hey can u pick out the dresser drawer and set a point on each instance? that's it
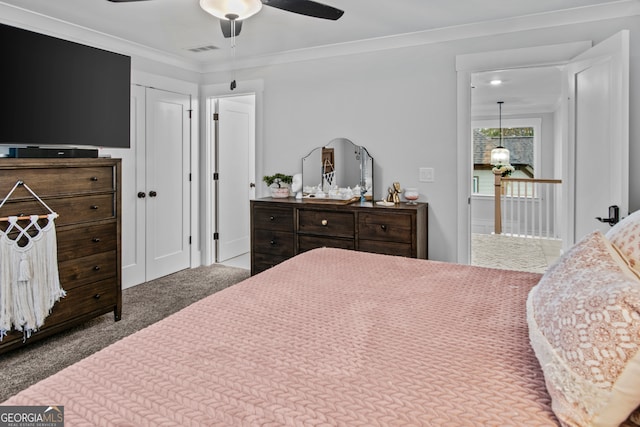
(276, 243)
(262, 261)
(92, 268)
(86, 240)
(387, 248)
(306, 243)
(74, 210)
(84, 300)
(97, 298)
(70, 210)
(60, 181)
(326, 223)
(390, 228)
(273, 219)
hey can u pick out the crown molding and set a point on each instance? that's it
(19, 17)
(585, 14)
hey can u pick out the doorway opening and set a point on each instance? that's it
(531, 107)
(595, 76)
(232, 136)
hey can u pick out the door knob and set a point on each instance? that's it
(614, 216)
(152, 194)
(141, 195)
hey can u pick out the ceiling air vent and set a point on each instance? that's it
(202, 48)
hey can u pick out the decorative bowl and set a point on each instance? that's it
(279, 193)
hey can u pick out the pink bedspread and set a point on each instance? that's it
(331, 337)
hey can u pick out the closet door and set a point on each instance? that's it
(155, 186)
(133, 187)
(167, 183)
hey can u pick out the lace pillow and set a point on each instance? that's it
(625, 235)
(584, 326)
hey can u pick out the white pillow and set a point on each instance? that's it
(625, 235)
(584, 326)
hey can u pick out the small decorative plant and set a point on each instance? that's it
(277, 180)
(278, 184)
(505, 170)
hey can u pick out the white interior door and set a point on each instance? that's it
(236, 174)
(167, 183)
(133, 182)
(155, 230)
(597, 174)
(133, 207)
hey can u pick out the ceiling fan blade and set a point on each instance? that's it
(226, 28)
(306, 7)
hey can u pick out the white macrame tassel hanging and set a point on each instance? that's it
(29, 281)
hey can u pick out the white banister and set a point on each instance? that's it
(525, 206)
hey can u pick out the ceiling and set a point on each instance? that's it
(175, 26)
(523, 91)
(170, 28)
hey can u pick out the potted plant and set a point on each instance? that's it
(278, 184)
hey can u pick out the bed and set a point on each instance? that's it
(333, 337)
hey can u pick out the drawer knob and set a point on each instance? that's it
(94, 178)
(94, 207)
(97, 296)
(324, 222)
(272, 242)
(96, 268)
(95, 240)
(271, 218)
(384, 227)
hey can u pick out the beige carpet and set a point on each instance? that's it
(514, 253)
(142, 305)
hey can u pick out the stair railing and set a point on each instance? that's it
(526, 206)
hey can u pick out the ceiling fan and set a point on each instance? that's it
(232, 12)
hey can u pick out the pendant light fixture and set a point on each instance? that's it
(500, 155)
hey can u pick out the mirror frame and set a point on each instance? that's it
(327, 155)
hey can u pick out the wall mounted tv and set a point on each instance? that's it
(63, 94)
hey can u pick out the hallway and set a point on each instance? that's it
(514, 253)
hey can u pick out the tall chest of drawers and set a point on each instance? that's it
(282, 228)
(85, 193)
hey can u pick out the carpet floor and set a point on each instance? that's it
(142, 305)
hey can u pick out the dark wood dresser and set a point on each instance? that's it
(282, 228)
(85, 193)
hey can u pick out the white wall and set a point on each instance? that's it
(401, 105)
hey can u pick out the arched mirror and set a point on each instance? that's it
(339, 170)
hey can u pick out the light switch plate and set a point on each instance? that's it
(427, 175)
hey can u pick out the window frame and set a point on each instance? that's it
(518, 122)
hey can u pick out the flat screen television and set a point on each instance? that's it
(57, 93)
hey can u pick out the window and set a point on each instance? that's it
(520, 137)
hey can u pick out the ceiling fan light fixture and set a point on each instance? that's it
(231, 9)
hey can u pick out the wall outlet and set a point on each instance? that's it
(426, 175)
